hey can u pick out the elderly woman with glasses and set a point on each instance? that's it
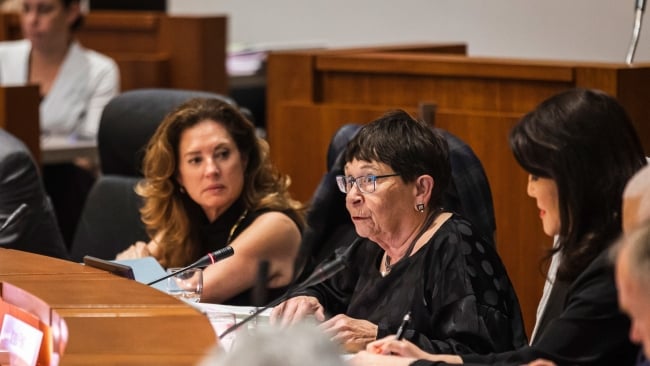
(414, 257)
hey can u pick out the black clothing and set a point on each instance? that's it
(456, 288)
(590, 330)
(214, 236)
(37, 230)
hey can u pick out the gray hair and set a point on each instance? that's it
(636, 198)
(637, 250)
(298, 345)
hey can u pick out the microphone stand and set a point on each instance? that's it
(312, 280)
(319, 275)
(636, 31)
(210, 258)
(173, 274)
(257, 312)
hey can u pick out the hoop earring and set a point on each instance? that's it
(419, 207)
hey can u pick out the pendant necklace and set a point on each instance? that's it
(234, 227)
(430, 219)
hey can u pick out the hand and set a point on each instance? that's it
(365, 358)
(541, 362)
(137, 250)
(389, 345)
(353, 334)
(297, 308)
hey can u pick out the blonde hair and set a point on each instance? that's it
(165, 210)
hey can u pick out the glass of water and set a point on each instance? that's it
(186, 285)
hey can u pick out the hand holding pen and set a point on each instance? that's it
(396, 345)
(402, 327)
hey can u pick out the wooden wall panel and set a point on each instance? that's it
(312, 94)
(153, 49)
(19, 115)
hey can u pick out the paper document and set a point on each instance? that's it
(145, 270)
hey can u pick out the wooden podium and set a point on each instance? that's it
(97, 318)
(312, 93)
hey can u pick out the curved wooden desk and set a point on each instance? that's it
(110, 320)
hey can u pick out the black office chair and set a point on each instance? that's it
(33, 227)
(130, 119)
(110, 220)
(328, 222)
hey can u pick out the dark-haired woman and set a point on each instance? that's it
(580, 149)
(414, 257)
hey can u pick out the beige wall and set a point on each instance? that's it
(596, 30)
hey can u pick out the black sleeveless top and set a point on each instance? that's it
(214, 236)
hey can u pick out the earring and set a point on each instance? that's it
(419, 207)
(182, 189)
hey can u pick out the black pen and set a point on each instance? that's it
(402, 327)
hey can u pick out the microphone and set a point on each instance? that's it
(639, 8)
(213, 257)
(329, 269)
(207, 259)
(15, 216)
(320, 274)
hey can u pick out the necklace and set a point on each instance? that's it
(234, 227)
(427, 223)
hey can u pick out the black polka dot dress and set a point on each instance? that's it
(456, 288)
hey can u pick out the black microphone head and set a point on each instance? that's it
(346, 253)
(222, 253)
(214, 257)
(329, 269)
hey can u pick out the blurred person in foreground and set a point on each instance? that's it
(633, 263)
(415, 258)
(580, 149)
(298, 345)
(636, 200)
(633, 283)
(208, 183)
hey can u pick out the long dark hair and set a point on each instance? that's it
(584, 141)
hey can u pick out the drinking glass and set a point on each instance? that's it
(220, 322)
(186, 285)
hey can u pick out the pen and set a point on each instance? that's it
(402, 327)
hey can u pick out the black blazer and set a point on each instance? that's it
(587, 327)
(37, 230)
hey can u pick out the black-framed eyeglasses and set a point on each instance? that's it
(365, 183)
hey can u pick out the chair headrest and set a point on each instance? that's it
(130, 119)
